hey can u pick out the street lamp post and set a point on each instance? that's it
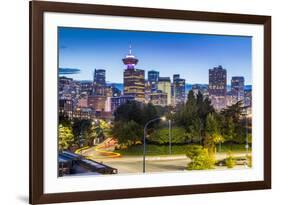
(170, 132)
(144, 138)
(170, 138)
(246, 129)
(81, 143)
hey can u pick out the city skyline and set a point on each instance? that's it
(152, 111)
(115, 45)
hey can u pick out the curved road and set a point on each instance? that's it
(134, 164)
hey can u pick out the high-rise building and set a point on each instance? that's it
(86, 87)
(176, 76)
(158, 98)
(115, 91)
(147, 91)
(203, 89)
(248, 98)
(83, 113)
(229, 99)
(66, 108)
(152, 77)
(237, 89)
(65, 83)
(99, 82)
(164, 84)
(97, 103)
(117, 101)
(99, 77)
(108, 92)
(178, 89)
(108, 104)
(68, 87)
(134, 83)
(217, 87)
(172, 94)
(82, 101)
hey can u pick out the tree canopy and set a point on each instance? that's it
(66, 137)
(130, 119)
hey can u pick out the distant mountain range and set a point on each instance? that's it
(188, 87)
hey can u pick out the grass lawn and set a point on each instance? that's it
(152, 149)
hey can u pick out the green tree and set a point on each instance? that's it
(186, 113)
(160, 110)
(228, 129)
(106, 127)
(65, 121)
(195, 130)
(193, 151)
(249, 135)
(129, 111)
(130, 119)
(200, 158)
(193, 115)
(82, 131)
(149, 112)
(204, 107)
(134, 111)
(66, 137)
(187, 116)
(161, 135)
(212, 133)
(127, 132)
(92, 132)
(191, 109)
(234, 111)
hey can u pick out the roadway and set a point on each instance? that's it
(134, 164)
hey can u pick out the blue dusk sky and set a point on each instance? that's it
(190, 55)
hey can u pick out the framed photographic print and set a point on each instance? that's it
(138, 102)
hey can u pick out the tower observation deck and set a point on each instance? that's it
(130, 60)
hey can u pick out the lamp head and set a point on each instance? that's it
(163, 118)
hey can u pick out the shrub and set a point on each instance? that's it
(230, 161)
(200, 158)
(193, 151)
(249, 159)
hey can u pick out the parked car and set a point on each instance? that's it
(238, 161)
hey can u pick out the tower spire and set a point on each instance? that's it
(130, 49)
(130, 60)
